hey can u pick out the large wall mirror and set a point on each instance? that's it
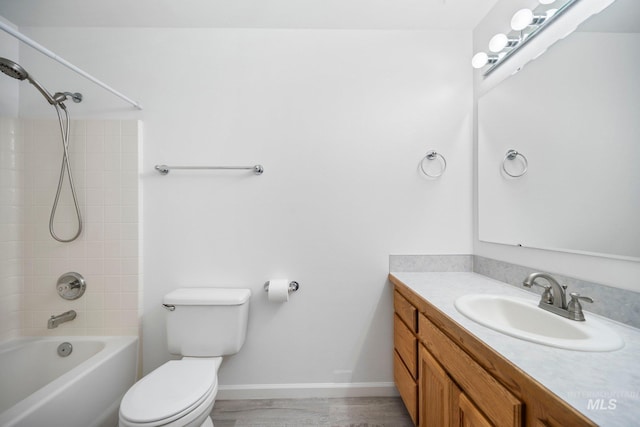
(574, 115)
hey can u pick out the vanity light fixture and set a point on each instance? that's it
(525, 24)
(481, 59)
(524, 18)
(501, 41)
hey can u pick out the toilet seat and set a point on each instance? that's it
(178, 389)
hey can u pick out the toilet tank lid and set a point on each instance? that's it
(207, 296)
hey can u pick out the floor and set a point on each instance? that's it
(344, 412)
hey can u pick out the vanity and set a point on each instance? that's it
(452, 371)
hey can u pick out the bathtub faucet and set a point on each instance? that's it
(67, 316)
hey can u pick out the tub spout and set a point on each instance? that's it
(67, 316)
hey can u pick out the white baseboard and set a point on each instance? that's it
(306, 390)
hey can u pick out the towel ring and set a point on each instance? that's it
(434, 155)
(512, 155)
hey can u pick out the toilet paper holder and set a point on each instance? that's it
(293, 286)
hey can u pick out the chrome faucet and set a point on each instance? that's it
(554, 297)
(67, 316)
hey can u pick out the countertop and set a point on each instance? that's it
(604, 386)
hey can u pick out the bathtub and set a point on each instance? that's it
(84, 389)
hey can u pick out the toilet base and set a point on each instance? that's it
(207, 423)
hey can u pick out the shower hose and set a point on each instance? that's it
(65, 167)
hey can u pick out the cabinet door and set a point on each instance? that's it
(469, 415)
(496, 402)
(438, 394)
(547, 422)
(406, 386)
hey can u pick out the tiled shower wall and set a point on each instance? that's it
(11, 213)
(104, 160)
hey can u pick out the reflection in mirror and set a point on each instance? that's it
(575, 114)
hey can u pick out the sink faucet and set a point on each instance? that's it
(554, 297)
(67, 316)
(558, 297)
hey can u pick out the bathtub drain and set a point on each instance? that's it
(65, 349)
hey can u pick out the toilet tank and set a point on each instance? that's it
(206, 322)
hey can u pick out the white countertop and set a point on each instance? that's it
(604, 386)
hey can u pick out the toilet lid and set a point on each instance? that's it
(174, 388)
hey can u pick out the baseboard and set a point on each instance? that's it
(306, 390)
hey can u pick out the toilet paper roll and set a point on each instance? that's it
(278, 290)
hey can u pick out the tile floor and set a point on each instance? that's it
(344, 412)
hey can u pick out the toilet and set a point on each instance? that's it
(203, 325)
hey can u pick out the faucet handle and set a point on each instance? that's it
(575, 308)
(546, 296)
(576, 297)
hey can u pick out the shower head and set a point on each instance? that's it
(14, 70)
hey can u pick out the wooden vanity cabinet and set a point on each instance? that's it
(470, 396)
(405, 358)
(460, 382)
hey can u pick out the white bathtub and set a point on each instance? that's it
(39, 388)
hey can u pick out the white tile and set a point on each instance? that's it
(129, 127)
(112, 266)
(94, 301)
(112, 161)
(112, 213)
(129, 163)
(94, 162)
(129, 266)
(112, 127)
(129, 231)
(95, 127)
(112, 143)
(104, 157)
(95, 319)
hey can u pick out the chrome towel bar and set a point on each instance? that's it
(164, 169)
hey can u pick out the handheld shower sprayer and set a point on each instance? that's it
(14, 70)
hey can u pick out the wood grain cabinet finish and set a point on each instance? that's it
(438, 393)
(482, 400)
(460, 382)
(405, 360)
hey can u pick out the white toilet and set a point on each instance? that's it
(203, 324)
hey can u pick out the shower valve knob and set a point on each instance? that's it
(71, 286)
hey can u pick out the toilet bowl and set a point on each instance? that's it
(203, 324)
(179, 393)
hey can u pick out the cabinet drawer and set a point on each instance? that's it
(406, 311)
(406, 344)
(406, 386)
(497, 403)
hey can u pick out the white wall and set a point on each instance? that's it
(612, 272)
(340, 120)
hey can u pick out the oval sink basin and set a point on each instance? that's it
(522, 318)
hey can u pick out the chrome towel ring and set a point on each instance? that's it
(434, 155)
(512, 155)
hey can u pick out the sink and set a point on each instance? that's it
(522, 318)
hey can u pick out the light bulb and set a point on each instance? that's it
(498, 42)
(479, 60)
(521, 19)
(546, 1)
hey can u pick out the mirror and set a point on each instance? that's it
(573, 115)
